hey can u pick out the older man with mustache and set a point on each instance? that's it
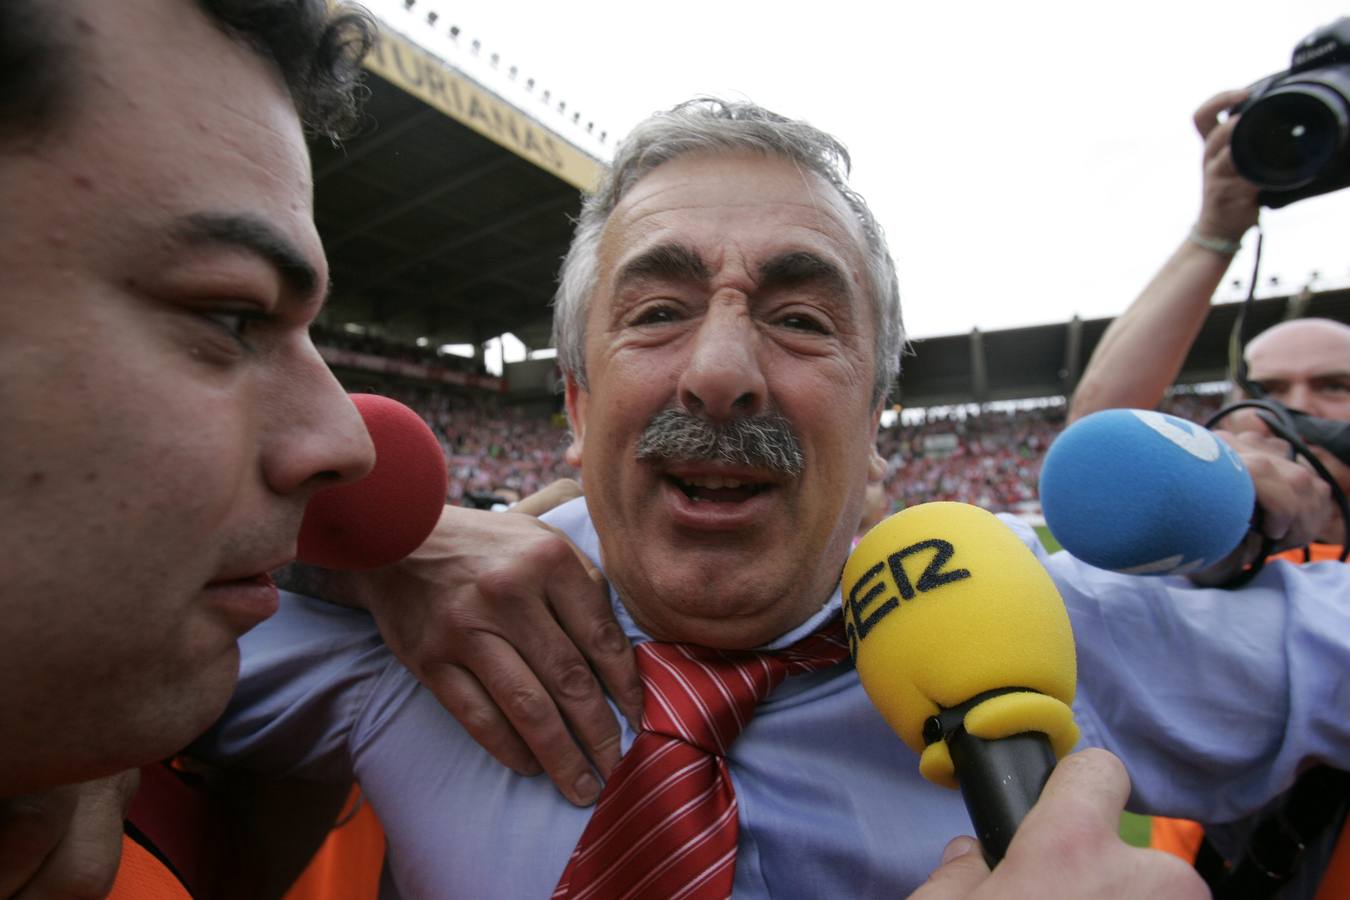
(729, 326)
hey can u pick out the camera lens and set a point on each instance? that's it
(1287, 137)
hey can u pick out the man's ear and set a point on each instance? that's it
(876, 468)
(876, 465)
(576, 398)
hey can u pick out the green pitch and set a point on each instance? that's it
(1047, 539)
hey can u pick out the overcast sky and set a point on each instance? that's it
(1029, 161)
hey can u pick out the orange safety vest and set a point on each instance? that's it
(142, 876)
(1182, 838)
(1320, 553)
(348, 865)
(175, 842)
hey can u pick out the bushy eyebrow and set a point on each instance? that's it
(801, 267)
(256, 236)
(672, 262)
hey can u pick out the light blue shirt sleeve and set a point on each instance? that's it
(1215, 699)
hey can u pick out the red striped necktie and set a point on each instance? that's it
(665, 825)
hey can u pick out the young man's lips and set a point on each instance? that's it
(244, 601)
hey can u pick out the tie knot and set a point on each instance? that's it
(706, 697)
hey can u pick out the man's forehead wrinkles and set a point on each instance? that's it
(706, 234)
(701, 219)
(639, 210)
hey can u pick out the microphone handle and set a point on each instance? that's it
(1000, 781)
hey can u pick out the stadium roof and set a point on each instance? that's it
(1046, 360)
(447, 216)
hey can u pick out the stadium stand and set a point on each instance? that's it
(990, 457)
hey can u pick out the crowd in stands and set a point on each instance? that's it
(489, 446)
(326, 336)
(991, 457)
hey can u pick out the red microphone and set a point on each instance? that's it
(386, 515)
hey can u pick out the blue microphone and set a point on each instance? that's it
(1145, 493)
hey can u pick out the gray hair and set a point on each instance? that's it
(711, 125)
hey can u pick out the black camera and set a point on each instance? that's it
(1293, 140)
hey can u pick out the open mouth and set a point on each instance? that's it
(716, 489)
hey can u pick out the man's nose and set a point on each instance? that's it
(317, 437)
(1299, 397)
(722, 379)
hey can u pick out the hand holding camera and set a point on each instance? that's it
(1229, 205)
(1292, 135)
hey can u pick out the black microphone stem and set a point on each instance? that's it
(1000, 782)
(1000, 778)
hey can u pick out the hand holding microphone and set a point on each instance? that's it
(1296, 507)
(1069, 848)
(963, 644)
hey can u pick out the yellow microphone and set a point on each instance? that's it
(962, 642)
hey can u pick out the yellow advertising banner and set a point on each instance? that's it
(401, 62)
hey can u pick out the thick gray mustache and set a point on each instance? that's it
(761, 442)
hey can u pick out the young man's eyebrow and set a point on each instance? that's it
(669, 261)
(802, 267)
(256, 236)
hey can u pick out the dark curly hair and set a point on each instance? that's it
(317, 49)
(30, 80)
